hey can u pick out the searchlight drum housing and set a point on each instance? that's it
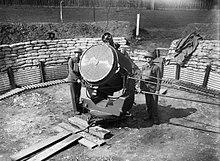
(105, 71)
(102, 64)
(98, 64)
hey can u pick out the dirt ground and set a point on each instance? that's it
(29, 117)
(189, 131)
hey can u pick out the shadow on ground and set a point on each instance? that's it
(140, 115)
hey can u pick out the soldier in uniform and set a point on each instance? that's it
(74, 78)
(151, 74)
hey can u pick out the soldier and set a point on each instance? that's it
(74, 78)
(151, 73)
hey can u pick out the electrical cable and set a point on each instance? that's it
(92, 124)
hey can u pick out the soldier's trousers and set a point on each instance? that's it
(152, 105)
(151, 100)
(75, 90)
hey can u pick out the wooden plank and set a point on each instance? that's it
(86, 135)
(178, 70)
(55, 148)
(95, 130)
(87, 143)
(162, 48)
(82, 141)
(206, 77)
(39, 146)
(11, 78)
(42, 72)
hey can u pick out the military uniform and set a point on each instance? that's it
(151, 73)
(75, 84)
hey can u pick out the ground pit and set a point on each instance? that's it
(188, 130)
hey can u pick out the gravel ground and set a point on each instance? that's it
(30, 117)
(189, 131)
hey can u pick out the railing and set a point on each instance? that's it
(205, 78)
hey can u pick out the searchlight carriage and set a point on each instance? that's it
(108, 92)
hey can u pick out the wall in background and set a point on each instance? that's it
(33, 62)
(148, 4)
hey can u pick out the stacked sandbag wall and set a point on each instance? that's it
(203, 64)
(42, 60)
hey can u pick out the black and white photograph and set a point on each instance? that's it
(109, 80)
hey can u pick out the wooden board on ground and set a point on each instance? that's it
(195, 125)
(87, 143)
(39, 146)
(82, 141)
(55, 148)
(95, 130)
(86, 135)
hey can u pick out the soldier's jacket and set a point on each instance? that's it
(73, 69)
(150, 73)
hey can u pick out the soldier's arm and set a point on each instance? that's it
(70, 63)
